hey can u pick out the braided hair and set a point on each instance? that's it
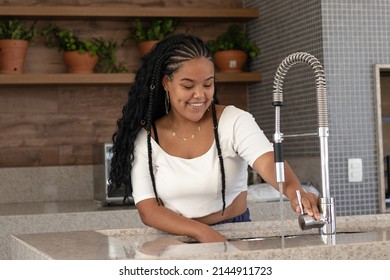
(145, 105)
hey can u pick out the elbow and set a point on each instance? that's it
(148, 211)
(145, 218)
(145, 213)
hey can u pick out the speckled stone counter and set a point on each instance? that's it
(21, 218)
(43, 217)
(358, 237)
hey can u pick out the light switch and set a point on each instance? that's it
(355, 170)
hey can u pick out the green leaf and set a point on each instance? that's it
(157, 29)
(234, 39)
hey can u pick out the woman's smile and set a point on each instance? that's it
(196, 104)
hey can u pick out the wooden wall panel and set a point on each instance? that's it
(57, 128)
(60, 125)
(230, 94)
(385, 104)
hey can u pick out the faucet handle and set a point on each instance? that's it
(306, 221)
(300, 200)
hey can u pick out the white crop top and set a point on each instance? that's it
(192, 187)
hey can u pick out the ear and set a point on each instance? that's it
(165, 83)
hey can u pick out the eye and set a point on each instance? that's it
(208, 85)
(188, 86)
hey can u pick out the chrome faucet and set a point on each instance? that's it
(327, 224)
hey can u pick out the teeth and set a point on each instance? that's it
(196, 104)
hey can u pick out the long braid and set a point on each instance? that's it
(221, 164)
(149, 141)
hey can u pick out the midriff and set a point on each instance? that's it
(237, 207)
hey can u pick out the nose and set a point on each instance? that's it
(198, 92)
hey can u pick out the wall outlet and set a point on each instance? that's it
(355, 170)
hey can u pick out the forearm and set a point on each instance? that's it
(164, 219)
(265, 166)
(292, 183)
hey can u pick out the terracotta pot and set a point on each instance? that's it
(145, 46)
(12, 56)
(232, 61)
(79, 63)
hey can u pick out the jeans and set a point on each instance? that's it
(244, 217)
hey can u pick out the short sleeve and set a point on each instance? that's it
(249, 140)
(140, 176)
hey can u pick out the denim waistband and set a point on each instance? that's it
(244, 217)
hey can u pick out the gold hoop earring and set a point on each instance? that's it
(167, 102)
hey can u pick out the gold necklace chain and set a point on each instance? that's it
(185, 138)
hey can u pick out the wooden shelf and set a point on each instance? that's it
(243, 77)
(105, 79)
(66, 79)
(119, 12)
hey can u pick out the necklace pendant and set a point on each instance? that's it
(185, 138)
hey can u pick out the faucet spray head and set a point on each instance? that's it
(279, 162)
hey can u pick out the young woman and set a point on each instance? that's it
(184, 158)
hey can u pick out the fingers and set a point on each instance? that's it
(310, 205)
(206, 233)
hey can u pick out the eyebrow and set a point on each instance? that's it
(190, 80)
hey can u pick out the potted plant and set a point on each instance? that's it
(14, 41)
(232, 49)
(107, 62)
(147, 35)
(82, 55)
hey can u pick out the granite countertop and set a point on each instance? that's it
(55, 207)
(357, 237)
(66, 216)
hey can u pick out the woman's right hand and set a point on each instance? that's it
(210, 235)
